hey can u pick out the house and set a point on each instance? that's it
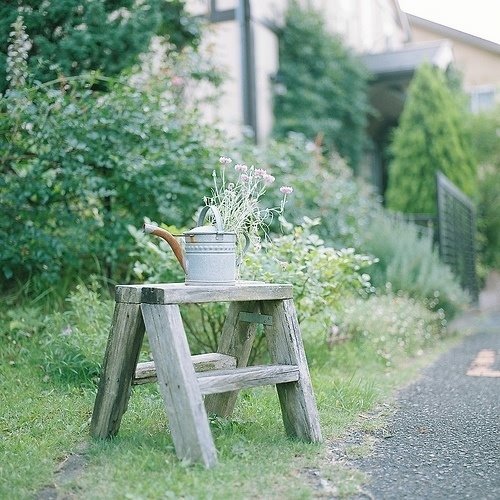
(478, 60)
(242, 39)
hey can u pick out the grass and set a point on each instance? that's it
(46, 408)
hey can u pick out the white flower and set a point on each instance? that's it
(240, 167)
(268, 179)
(224, 160)
(286, 189)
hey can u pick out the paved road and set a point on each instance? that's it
(445, 437)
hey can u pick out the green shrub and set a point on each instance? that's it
(431, 136)
(324, 188)
(70, 38)
(320, 86)
(321, 275)
(484, 129)
(79, 166)
(389, 326)
(408, 262)
(73, 341)
(83, 157)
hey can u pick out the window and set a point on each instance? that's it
(481, 98)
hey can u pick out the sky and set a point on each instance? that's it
(477, 17)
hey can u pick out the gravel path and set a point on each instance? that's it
(444, 440)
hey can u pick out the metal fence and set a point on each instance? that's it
(456, 233)
(453, 231)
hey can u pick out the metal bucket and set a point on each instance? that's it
(210, 253)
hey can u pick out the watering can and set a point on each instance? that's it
(209, 254)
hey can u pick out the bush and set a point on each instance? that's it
(389, 326)
(321, 275)
(78, 166)
(320, 86)
(324, 188)
(70, 38)
(409, 263)
(431, 136)
(484, 129)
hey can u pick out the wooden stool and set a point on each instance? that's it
(182, 378)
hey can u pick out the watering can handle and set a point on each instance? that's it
(218, 218)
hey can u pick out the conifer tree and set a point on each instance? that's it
(431, 136)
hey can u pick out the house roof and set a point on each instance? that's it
(409, 58)
(452, 33)
(392, 73)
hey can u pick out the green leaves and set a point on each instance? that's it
(71, 37)
(320, 86)
(321, 275)
(431, 136)
(88, 165)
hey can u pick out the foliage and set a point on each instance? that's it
(69, 343)
(71, 37)
(74, 340)
(324, 188)
(321, 275)
(409, 263)
(320, 86)
(389, 326)
(431, 137)
(484, 129)
(78, 166)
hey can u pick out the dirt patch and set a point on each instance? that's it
(68, 470)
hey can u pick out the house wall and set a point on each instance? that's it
(480, 67)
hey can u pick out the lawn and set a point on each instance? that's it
(45, 447)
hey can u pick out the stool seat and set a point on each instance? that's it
(193, 386)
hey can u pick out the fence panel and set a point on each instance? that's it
(456, 233)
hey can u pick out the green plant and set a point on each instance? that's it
(324, 188)
(239, 202)
(408, 262)
(73, 341)
(320, 87)
(484, 129)
(321, 275)
(71, 37)
(78, 166)
(431, 136)
(390, 326)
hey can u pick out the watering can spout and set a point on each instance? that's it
(170, 239)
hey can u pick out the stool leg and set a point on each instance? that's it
(298, 404)
(178, 384)
(120, 360)
(236, 340)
